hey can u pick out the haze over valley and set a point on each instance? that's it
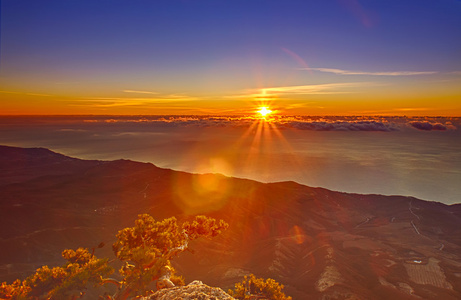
(318, 243)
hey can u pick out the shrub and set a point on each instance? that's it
(252, 288)
(147, 250)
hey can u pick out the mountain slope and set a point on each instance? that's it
(320, 244)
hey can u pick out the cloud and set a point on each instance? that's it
(28, 94)
(348, 72)
(106, 102)
(428, 126)
(71, 130)
(39, 95)
(139, 92)
(353, 125)
(324, 123)
(281, 122)
(310, 89)
(270, 93)
(132, 101)
(409, 109)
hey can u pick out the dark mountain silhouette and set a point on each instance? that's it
(320, 244)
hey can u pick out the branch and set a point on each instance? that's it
(181, 248)
(112, 280)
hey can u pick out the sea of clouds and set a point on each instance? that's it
(417, 156)
(328, 123)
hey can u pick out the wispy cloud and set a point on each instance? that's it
(140, 92)
(271, 93)
(108, 102)
(404, 109)
(349, 72)
(24, 93)
(313, 88)
(157, 97)
(120, 101)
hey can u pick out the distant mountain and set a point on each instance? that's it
(320, 244)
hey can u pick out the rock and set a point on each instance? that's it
(194, 290)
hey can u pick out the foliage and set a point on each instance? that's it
(65, 282)
(252, 287)
(148, 247)
(16, 290)
(147, 250)
(177, 280)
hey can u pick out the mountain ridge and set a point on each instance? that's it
(318, 243)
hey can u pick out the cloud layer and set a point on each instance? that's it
(343, 126)
(332, 123)
(428, 126)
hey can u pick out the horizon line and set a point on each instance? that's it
(226, 115)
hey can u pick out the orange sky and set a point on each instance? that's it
(195, 57)
(345, 98)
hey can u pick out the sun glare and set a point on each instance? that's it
(264, 111)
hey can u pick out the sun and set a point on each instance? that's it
(264, 111)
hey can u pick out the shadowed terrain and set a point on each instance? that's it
(318, 243)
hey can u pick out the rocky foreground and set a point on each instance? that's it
(192, 291)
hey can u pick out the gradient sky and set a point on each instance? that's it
(332, 57)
